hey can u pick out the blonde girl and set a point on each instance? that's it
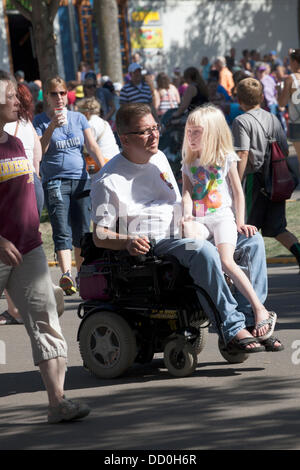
(213, 200)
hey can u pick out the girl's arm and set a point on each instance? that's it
(242, 164)
(93, 148)
(187, 202)
(284, 95)
(239, 202)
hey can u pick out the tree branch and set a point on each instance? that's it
(24, 12)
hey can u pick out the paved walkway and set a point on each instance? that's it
(254, 405)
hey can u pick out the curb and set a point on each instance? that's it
(282, 260)
(54, 264)
(279, 260)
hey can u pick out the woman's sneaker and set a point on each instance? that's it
(67, 284)
(67, 410)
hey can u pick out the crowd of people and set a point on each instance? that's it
(62, 136)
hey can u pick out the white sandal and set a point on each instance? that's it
(271, 321)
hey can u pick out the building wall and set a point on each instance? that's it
(4, 57)
(192, 29)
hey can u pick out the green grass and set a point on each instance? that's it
(46, 231)
(273, 247)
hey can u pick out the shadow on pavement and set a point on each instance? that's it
(167, 416)
(77, 378)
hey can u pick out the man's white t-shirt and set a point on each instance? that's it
(143, 198)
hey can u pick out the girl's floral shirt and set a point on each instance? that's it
(211, 192)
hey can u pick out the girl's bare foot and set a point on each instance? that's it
(260, 316)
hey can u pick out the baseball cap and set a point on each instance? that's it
(133, 67)
(273, 53)
(261, 68)
(20, 73)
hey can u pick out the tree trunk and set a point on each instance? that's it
(43, 15)
(106, 15)
(42, 18)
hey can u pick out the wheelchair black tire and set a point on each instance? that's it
(232, 358)
(181, 363)
(200, 342)
(107, 344)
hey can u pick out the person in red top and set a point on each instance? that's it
(23, 265)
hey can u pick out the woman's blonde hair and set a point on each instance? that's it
(216, 140)
(89, 105)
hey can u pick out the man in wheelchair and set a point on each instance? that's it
(137, 192)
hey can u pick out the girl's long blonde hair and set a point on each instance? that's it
(216, 140)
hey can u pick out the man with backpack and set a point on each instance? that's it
(249, 132)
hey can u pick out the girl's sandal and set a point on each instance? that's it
(238, 345)
(271, 321)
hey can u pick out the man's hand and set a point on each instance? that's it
(138, 246)
(9, 253)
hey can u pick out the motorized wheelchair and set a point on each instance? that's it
(135, 307)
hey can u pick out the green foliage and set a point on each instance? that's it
(10, 5)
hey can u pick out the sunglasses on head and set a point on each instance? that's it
(56, 93)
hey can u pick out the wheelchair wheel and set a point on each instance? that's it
(232, 358)
(202, 338)
(107, 344)
(182, 362)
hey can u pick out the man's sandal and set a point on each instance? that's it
(270, 346)
(240, 345)
(271, 321)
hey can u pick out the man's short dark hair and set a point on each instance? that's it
(128, 114)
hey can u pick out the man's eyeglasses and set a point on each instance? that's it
(89, 86)
(146, 132)
(57, 93)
